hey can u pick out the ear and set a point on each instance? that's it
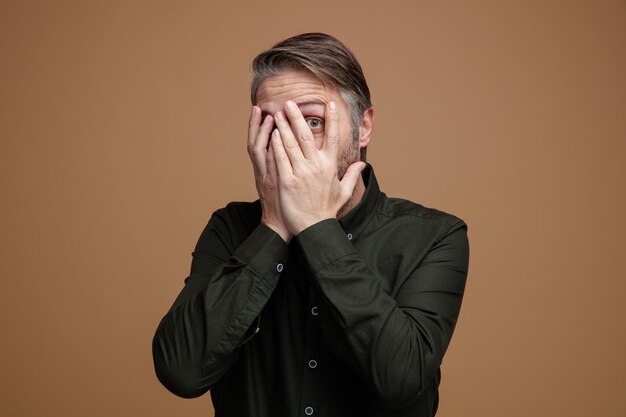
(366, 127)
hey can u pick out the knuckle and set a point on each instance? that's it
(305, 136)
(255, 151)
(291, 144)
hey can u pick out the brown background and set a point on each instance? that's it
(123, 127)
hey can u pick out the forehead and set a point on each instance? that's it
(298, 86)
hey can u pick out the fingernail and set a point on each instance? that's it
(332, 106)
(290, 105)
(267, 118)
(279, 115)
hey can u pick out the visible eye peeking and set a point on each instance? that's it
(314, 123)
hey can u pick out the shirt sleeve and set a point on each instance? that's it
(395, 344)
(215, 313)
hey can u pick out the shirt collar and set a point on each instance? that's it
(357, 218)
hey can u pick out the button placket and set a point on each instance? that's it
(311, 376)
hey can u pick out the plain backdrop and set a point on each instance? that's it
(123, 127)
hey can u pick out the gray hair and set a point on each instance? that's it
(327, 59)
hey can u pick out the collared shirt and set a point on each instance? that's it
(351, 318)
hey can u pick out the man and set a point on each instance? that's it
(324, 297)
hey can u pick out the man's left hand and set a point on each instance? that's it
(309, 190)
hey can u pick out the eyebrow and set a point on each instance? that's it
(311, 103)
(303, 104)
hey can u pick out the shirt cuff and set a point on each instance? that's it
(323, 243)
(264, 251)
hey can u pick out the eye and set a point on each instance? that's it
(314, 122)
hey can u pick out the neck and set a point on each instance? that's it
(357, 196)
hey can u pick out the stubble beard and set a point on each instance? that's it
(347, 157)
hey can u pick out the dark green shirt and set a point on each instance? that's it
(351, 318)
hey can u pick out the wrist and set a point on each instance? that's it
(282, 232)
(306, 223)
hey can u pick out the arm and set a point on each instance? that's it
(394, 343)
(197, 340)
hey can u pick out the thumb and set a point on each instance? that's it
(348, 182)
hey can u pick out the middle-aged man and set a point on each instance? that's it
(324, 297)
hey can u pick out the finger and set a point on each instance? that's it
(272, 171)
(283, 164)
(348, 182)
(301, 130)
(258, 152)
(253, 125)
(289, 142)
(331, 131)
(262, 139)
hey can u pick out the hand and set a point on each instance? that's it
(265, 172)
(309, 189)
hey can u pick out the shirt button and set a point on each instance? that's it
(279, 267)
(314, 311)
(308, 411)
(349, 236)
(312, 363)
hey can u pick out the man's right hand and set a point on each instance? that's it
(265, 171)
